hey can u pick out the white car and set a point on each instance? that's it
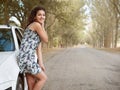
(10, 39)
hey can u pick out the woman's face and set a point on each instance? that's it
(40, 16)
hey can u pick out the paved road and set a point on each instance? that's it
(83, 69)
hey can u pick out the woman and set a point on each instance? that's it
(30, 56)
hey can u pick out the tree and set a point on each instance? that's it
(64, 18)
(105, 18)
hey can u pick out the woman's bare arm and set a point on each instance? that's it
(40, 59)
(41, 31)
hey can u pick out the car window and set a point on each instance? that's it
(19, 36)
(6, 40)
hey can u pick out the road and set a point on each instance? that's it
(83, 69)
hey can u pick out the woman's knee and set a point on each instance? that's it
(42, 76)
(45, 77)
(30, 79)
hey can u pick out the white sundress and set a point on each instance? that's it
(26, 58)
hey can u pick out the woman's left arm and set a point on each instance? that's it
(40, 59)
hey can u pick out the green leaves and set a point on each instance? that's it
(64, 17)
(105, 23)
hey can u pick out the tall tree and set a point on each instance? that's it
(63, 17)
(104, 22)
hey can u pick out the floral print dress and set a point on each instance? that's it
(26, 58)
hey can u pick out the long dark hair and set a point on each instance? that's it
(33, 14)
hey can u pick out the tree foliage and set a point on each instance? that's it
(105, 20)
(64, 18)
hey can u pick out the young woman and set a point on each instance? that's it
(30, 55)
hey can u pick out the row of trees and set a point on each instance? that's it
(64, 23)
(105, 16)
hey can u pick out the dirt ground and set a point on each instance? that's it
(82, 68)
(111, 50)
(50, 52)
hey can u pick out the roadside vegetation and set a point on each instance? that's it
(64, 18)
(105, 31)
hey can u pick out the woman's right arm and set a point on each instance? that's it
(41, 31)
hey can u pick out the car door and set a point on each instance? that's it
(20, 81)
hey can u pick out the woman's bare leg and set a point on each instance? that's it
(30, 81)
(41, 79)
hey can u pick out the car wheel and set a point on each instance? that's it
(20, 83)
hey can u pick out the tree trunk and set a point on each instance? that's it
(108, 39)
(6, 13)
(116, 32)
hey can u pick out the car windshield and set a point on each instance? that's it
(6, 40)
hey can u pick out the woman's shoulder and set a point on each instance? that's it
(34, 25)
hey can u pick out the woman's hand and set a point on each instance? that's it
(42, 67)
(42, 24)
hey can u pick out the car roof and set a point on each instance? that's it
(5, 26)
(9, 26)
